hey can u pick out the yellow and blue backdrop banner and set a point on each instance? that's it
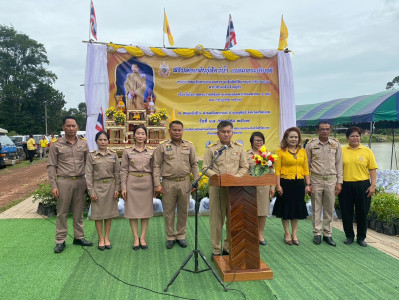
(200, 88)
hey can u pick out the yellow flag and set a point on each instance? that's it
(282, 44)
(166, 29)
(173, 115)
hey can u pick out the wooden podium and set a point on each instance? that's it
(243, 262)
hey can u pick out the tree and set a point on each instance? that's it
(25, 84)
(392, 84)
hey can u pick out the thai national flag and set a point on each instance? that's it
(93, 21)
(100, 121)
(231, 35)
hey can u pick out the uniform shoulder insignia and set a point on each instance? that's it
(150, 147)
(188, 141)
(112, 150)
(334, 139)
(248, 151)
(82, 138)
(238, 144)
(313, 140)
(211, 145)
(164, 141)
(94, 151)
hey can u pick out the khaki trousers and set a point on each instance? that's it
(323, 197)
(72, 192)
(218, 206)
(175, 196)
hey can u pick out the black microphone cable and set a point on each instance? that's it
(118, 279)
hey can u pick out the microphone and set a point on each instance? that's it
(222, 149)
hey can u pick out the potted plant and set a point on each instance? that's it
(47, 202)
(386, 208)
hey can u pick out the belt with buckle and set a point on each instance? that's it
(105, 180)
(70, 177)
(175, 179)
(325, 177)
(139, 174)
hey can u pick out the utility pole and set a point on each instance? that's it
(45, 114)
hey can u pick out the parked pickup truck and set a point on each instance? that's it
(8, 150)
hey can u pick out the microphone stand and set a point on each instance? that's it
(196, 252)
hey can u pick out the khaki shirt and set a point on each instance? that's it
(66, 159)
(100, 166)
(135, 161)
(325, 159)
(232, 161)
(172, 161)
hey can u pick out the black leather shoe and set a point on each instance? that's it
(135, 248)
(348, 241)
(263, 243)
(82, 242)
(362, 243)
(182, 243)
(59, 247)
(101, 248)
(317, 239)
(225, 252)
(329, 240)
(109, 247)
(170, 244)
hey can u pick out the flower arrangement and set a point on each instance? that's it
(119, 118)
(155, 119)
(110, 112)
(163, 114)
(264, 162)
(203, 185)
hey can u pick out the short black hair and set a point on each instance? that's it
(353, 129)
(223, 124)
(100, 133)
(175, 122)
(258, 134)
(323, 122)
(68, 117)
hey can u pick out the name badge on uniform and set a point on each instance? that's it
(185, 147)
(168, 147)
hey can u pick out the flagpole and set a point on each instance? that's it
(89, 18)
(163, 33)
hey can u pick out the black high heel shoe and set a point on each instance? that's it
(144, 247)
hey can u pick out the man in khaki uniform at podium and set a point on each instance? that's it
(66, 172)
(325, 166)
(174, 160)
(232, 161)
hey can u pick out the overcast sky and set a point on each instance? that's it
(343, 48)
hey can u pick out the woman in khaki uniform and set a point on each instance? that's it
(263, 193)
(104, 184)
(137, 185)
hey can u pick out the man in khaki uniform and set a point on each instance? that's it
(232, 161)
(174, 160)
(135, 86)
(66, 172)
(325, 165)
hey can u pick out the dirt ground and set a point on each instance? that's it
(19, 182)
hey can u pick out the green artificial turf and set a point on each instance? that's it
(30, 269)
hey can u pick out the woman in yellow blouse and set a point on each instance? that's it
(292, 172)
(30, 145)
(360, 168)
